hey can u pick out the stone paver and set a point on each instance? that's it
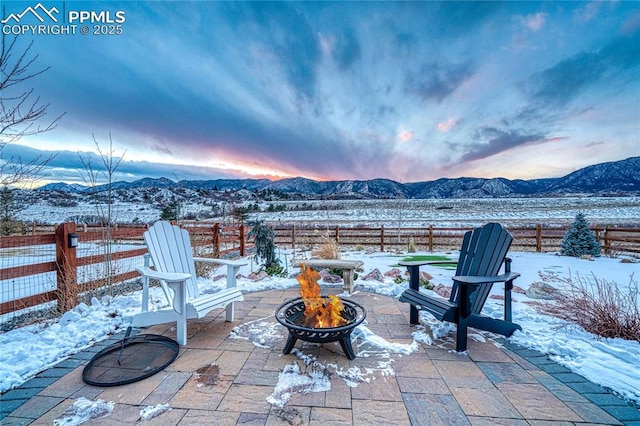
(534, 401)
(368, 412)
(221, 380)
(484, 403)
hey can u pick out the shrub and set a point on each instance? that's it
(600, 307)
(276, 269)
(426, 284)
(423, 282)
(328, 249)
(579, 239)
(340, 271)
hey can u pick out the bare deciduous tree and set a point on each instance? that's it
(110, 163)
(21, 114)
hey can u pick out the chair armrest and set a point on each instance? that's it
(232, 267)
(227, 262)
(169, 277)
(427, 262)
(473, 280)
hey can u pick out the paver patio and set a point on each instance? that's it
(218, 379)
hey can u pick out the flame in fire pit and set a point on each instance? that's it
(319, 311)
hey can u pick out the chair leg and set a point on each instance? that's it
(180, 307)
(508, 286)
(462, 317)
(461, 335)
(230, 312)
(181, 330)
(414, 284)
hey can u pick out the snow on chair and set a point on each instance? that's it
(172, 257)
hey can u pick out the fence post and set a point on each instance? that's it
(293, 237)
(66, 268)
(242, 242)
(607, 243)
(538, 238)
(337, 234)
(382, 238)
(431, 238)
(216, 239)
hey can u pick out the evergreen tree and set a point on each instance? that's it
(8, 209)
(240, 213)
(579, 239)
(171, 212)
(263, 239)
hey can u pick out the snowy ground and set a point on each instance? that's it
(613, 363)
(405, 213)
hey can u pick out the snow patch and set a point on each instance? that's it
(84, 410)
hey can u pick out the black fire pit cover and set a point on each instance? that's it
(132, 359)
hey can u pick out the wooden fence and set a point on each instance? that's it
(537, 237)
(49, 268)
(38, 258)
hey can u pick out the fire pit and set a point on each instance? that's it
(291, 315)
(319, 319)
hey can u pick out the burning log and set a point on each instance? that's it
(320, 312)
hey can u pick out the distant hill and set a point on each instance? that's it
(606, 179)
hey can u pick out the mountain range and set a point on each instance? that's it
(606, 179)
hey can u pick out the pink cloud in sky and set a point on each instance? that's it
(405, 135)
(535, 22)
(445, 126)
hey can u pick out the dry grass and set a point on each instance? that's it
(599, 307)
(328, 249)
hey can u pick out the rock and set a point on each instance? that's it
(374, 275)
(443, 290)
(330, 278)
(324, 272)
(221, 276)
(392, 273)
(258, 276)
(542, 290)
(518, 290)
(425, 276)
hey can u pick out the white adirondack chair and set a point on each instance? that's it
(172, 257)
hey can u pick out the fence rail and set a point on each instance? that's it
(536, 237)
(37, 269)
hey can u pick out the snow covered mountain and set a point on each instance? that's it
(612, 178)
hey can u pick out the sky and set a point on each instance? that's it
(409, 91)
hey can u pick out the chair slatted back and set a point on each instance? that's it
(171, 251)
(482, 253)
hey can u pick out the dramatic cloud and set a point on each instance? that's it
(492, 141)
(341, 90)
(436, 81)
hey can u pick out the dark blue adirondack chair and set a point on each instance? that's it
(482, 254)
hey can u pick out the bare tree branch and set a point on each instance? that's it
(13, 172)
(20, 111)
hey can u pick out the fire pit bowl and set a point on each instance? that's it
(291, 315)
